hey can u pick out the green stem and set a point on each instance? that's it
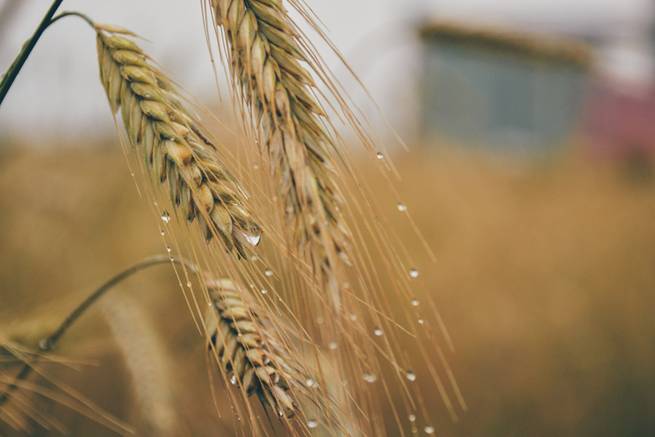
(11, 74)
(49, 343)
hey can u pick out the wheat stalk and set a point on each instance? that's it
(266, 59)
(172, 141)
(146, 360)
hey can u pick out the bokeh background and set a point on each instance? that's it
(531, 127)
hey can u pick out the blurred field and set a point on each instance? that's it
(545, 278)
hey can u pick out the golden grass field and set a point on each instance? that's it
(545, 278)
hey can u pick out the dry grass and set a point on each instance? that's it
(551, 338)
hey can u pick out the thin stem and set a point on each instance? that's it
(49, 343)
(11, 74)
(65, 14)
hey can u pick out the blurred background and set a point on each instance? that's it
(531, 126)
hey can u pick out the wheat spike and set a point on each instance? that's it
(172, 141)
(268, 64)
(247, 353)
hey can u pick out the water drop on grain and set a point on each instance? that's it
(414, 302)
(166, 217)
(370, 377)
(268, 273)
(311, 424)
(161, 232)
(421, 321)
(310, 383)
(380, 155)
(402, 207)
(233, 380)
(411, 376)
(413, 273)
(412, 418)
(332, 345)
(263, 291)
(378, 332)
(168, 249)
(429, 429)
(188, 284)
(253, 239)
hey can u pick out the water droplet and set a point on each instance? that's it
(188, 284)
(413, 273)
(411, 376)
(378, 332)
(332, 345)
(402, 207)
(311, 424)
(310, 383)
(380, 155)
(370, 377)
(166, 217)
(414, 302)
(429, 429)
(268, 273)
(161, 232)
(412, 418)
(233, 380)
(168, 249)
(44, 344)
(421, 321)
(253, 239)
(263, 291)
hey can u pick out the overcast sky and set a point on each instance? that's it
(59, 92)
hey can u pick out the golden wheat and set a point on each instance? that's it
(266, 59)
(172, 141)
(237, 335)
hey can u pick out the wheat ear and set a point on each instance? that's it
(239, 338)
(172, 141)
(268, 64)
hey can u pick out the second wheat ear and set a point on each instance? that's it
(269, 66)
(173, 143)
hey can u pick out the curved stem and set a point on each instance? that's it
(11, 74)
(48, 343)
(65, 14)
